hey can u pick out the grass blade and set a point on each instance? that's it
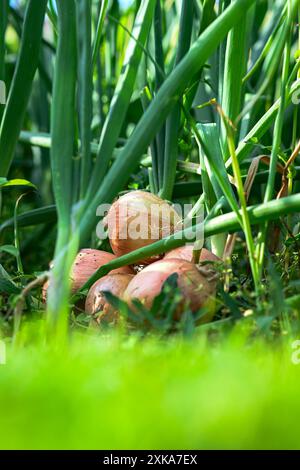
(3, 24)
(173, 122)
(234, 70)
(159, 76)
(63, 136)
(262, 126)
(85, 89)
(277, 136)
(43, 215)
(214, 163)
(99, 29)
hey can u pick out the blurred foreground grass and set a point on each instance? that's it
(128, 393)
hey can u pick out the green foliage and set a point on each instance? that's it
(126, 393)
(175, 97)
(18, 98)
(192, 100)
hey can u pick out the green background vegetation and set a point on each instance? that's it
(116, 393)
(191, 100)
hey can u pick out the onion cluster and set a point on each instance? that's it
(136, 220)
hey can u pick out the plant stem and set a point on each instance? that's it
(276, 143)
(85, 90)
(3, 24)
(234, 70)
(63, 134)
(99, 30)
(20, 89)
(245, 218)
(173, 122)
(160, 75)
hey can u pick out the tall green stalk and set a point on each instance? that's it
(263, 125)
(274, 57)
(245, 217)
(97, 41)
(220, 178)
(85, 90)
(63, 135)
(3, 24)
(173, 122)
(277, 136)
(20, 89)
(234, 70)
(159, 78)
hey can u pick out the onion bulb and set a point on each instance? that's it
(138, 219)
(186, 253)
(96, 301)
(86, 263)
(196, 289)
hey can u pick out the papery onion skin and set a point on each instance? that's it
(135, 207)
(78, 307)
(44, 291)
(96, 301)
(196, 289)
(87, 262)
(186, 253)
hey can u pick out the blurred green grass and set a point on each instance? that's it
(115, 392)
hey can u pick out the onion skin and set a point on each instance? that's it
(186, 253)
(135, 207)
(44, 291)
(96, 300)
(87, 262)
(196, 289)
(78, 307)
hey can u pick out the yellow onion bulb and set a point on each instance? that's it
(96, 302)
(206, 264)
(196, 289)
(87, 262)
(138, 219)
